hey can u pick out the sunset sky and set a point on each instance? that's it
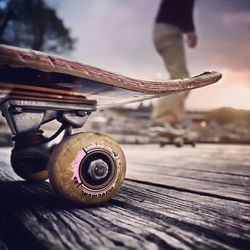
(117, 35)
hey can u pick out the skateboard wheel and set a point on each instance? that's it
(87, 168)
(179, 142)
(30, 164)
(31, 176)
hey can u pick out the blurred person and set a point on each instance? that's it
(174, 24)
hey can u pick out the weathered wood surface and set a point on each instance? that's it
(217, 171)
(174, 198)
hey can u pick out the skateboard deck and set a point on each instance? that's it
(37, 88)
(28, 74)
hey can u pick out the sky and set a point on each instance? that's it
(117, 35)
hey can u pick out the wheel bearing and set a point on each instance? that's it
(97, 169)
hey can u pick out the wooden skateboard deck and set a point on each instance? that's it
(32, 75)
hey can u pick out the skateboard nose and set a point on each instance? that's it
(98, 169)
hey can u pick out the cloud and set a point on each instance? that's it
(224, 37)
(237, 19)
(232, 90)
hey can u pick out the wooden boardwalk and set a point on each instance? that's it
(172, 199)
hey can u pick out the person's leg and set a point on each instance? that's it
(168, 41)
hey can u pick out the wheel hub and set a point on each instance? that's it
(98, 169)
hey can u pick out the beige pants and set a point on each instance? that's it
(168, 42)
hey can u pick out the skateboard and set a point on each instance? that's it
(178, 140)
(36, 88)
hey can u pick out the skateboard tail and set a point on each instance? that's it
(21, 58)
(172, 86)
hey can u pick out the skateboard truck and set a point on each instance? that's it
(32, 150)
(98, 170)
(25, 116)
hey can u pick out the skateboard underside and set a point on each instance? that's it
(32, 75)
(32, 84)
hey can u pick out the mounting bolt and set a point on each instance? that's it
(18, 110)
(98, 169)
(82, 113)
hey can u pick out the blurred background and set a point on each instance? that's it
(117, 35)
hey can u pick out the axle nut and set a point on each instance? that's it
(98, 169)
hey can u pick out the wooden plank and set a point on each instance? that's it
(141, 216)
(207, 158)
(194, 174)
(199, 187)
(156, 220)
(144, 168)
(192, 169)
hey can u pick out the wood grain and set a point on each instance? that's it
(143, 215)
(211, 171)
